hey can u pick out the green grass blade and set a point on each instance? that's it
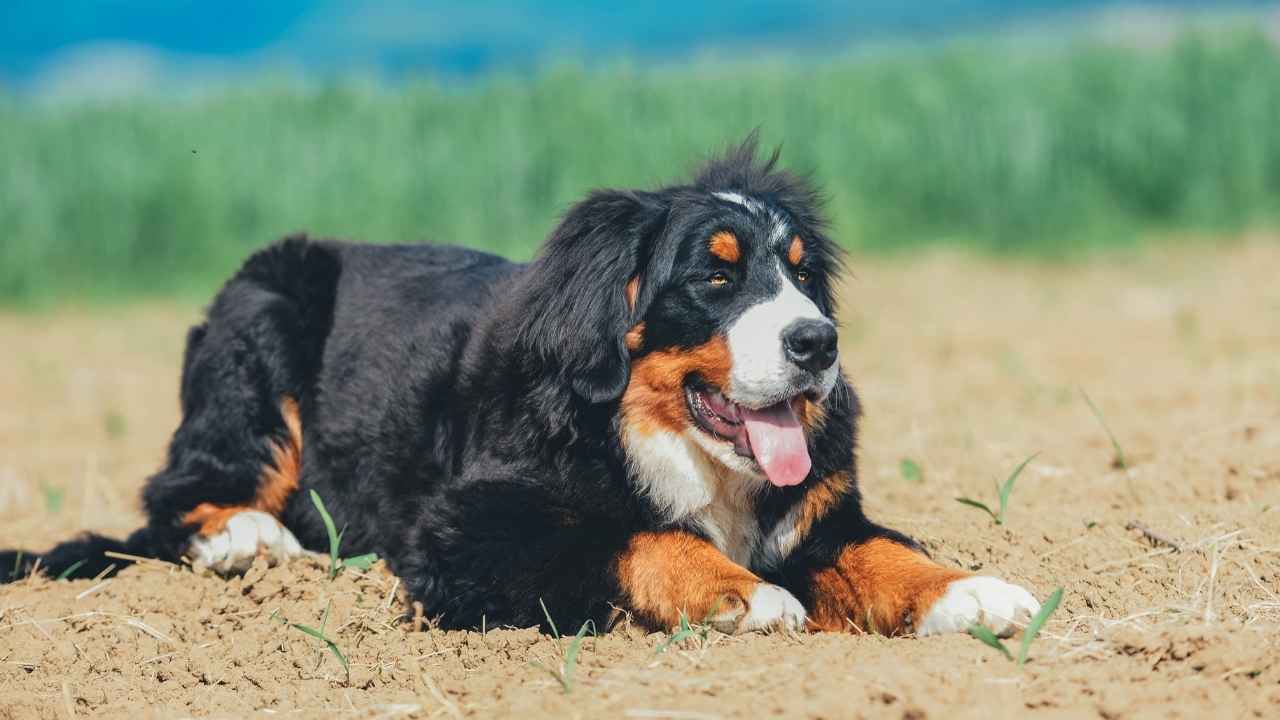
(1007, 488)
(571, 655)
(1037, 622)
(546, 613)
(564, 686)
(989, 638)
(53, 497)
(675, 638)
(334, 540)
(308, 630)
(71, 569)
(1119, 461)
(17, 565)
(686, 631)
(980, 505)
(910, 470)
(361, 562)
(342, 659)
(319, 635)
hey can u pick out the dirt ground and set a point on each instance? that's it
(965, 367)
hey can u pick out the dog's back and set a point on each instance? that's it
(310, 338)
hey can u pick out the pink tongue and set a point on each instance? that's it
(777, 441)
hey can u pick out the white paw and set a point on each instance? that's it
(773, 608)
(1001, 606)
(247, 534)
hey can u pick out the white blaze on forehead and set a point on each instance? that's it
(779, 231)
(762, 374)
(738, 199)
(778, 235)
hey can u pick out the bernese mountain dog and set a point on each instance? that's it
(649, 418)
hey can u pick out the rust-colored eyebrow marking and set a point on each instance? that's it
(796, 252)
(724, 245)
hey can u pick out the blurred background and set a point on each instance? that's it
(147, 145)
(1064, 218)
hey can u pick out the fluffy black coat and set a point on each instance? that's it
(460, 412)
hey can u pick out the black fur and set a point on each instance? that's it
(460, 412)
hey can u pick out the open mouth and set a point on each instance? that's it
(772, 436)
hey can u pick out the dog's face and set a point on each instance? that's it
(705, 312)
(737, 350)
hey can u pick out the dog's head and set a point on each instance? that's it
(704, 310)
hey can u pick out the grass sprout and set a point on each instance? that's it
(114, 424)
(1118, 460)
(53, 498)
(71, 569)
(910, 470)
(1002, 491)
(983, 634)
(336, 561)
(569, 661)
(685, 632)
(320, 635)
(986, 637)
(1033, 628)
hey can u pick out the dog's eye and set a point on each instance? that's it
(718, 279)
(802, 275)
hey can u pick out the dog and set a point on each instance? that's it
(649, 417)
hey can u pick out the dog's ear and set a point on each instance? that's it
(589, 286)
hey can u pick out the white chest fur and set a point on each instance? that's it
(679, 476)
(730, 521)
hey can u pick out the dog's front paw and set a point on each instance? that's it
(246, 535)
(1002, 607)
(772, 608)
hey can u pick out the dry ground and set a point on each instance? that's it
(965, 366)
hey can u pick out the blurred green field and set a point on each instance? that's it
(994, 147)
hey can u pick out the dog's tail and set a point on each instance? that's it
(84, 557)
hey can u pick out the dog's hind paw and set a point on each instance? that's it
(247, 535)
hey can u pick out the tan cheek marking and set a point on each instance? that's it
(795, 253)
(279, 479)
(662, 574)
(724, 245)
(812, 415)
(877, 586)
(654, 398)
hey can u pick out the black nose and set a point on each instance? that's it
(811, 344)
